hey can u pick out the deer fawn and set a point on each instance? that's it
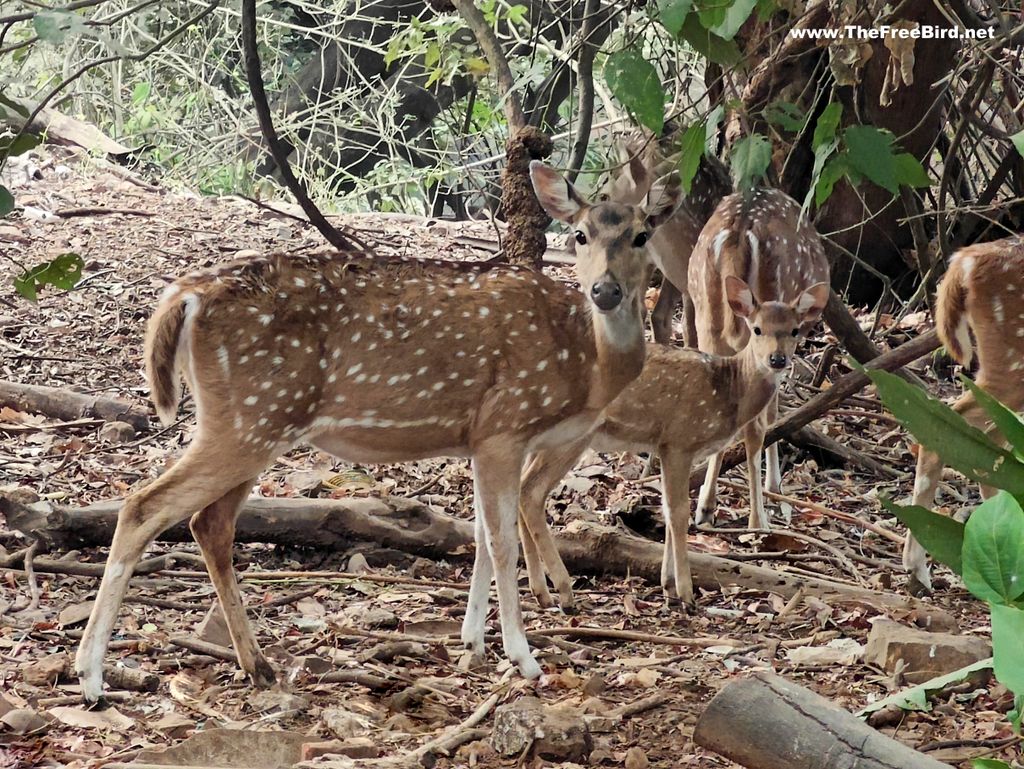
(983, 292)
(385, 361)
(760, 238)
(673, 243)
(686, 405)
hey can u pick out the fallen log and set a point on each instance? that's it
(67, 404)
(415, 528)
(841, 389)
(764, 722)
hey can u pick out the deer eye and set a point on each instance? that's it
(640, 240)
(581, 238)
(757, 331)
(796, 332)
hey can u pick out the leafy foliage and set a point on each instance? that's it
(634, 82)
(63, 272)
(691, 151)
(940, 535)
(750, 159)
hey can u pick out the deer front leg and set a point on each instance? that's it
(675, 485)
(753, 439)
(773, 468)
(707, 502)
(214, 530)
(661, 316)
(473, 624)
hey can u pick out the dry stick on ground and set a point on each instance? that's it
(809, 438)
(69, 405)
(764, 722)
(841, 389)
(418, 529)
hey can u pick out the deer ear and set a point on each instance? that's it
(556, 195)
(663, 199)
(811, 303)
(741, 298)
(635, 168)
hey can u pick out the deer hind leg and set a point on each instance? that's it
(664, 309)
(675, 484)
(753, 439)
(773, 468)
(473, 623)
(707, 502)
(199, 478)
(214, 530)
(540, 552)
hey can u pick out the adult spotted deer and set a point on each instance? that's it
(982, 292)
(673, 243)
(761, 238)
(686, 405)
(385, 361)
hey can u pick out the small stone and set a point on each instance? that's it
(380, 619)
(214, 627)
(357, 564)
(247, 253)
(117, 432)
(595, 685)
(934, 620)
(46, 671)
(924, 655)
(344, 724)
(23, 721)
(549, 733)
(282, 702)
(636, 758)
(357, 747)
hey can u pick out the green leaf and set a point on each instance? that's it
(909, 171)
(1018, 141)
(63, 272)
(786, 115)
(750, 159)
(1007, 647)
(735, 17)
(709, 45)
(1009, 422)
(712, 12)
(939, 428)
(6, 201)
(827, 126)
(916, 698)
(672, 14)
(8, 102)
(835, 169)
(993, 552)
(691, 151)
(1017, 714)
(53, 26)
(940, 535)
(989, 763)
(634, 82)
(141, 92)
(765, 9)
(11, 146)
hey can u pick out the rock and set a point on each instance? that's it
(23, 721)
(269, 700)
(75, 613)
(380, 619)
(924, 655)
(344, 724)
(357, 564)
(549, 733)
(117, 432)
(595, 685)
(231, 748)
(357, 747)
(636, 758)
(934, 620)
(214, 628)
(46, 671)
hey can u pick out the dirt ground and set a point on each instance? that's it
(383, 623)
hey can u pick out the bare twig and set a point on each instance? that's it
(585, 75)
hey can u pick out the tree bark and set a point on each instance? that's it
(767, 722)
(416, 528)
(67, 404)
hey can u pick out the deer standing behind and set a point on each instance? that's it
(759, 237)
(982, 292)
(384, 361)
(671, 244)
(685, 404)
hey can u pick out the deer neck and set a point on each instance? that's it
(754, 385)
(619, 343)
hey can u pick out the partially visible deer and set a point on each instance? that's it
(759, 237)
(385, 361)
(982, 292)
(685, 404)
(673, 243)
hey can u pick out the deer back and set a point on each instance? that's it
(760, 238)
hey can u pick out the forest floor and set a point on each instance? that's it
(90, 339)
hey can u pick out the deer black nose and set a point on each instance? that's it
(607, 294)
(777, 360)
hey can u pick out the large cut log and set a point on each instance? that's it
(418, 529)
(67, 404)
(767, 722)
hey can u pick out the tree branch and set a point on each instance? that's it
(585, 73)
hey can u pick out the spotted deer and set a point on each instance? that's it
(685, 405)
(673, 243)
(761, 238)
(385, 361)
(982, 292)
